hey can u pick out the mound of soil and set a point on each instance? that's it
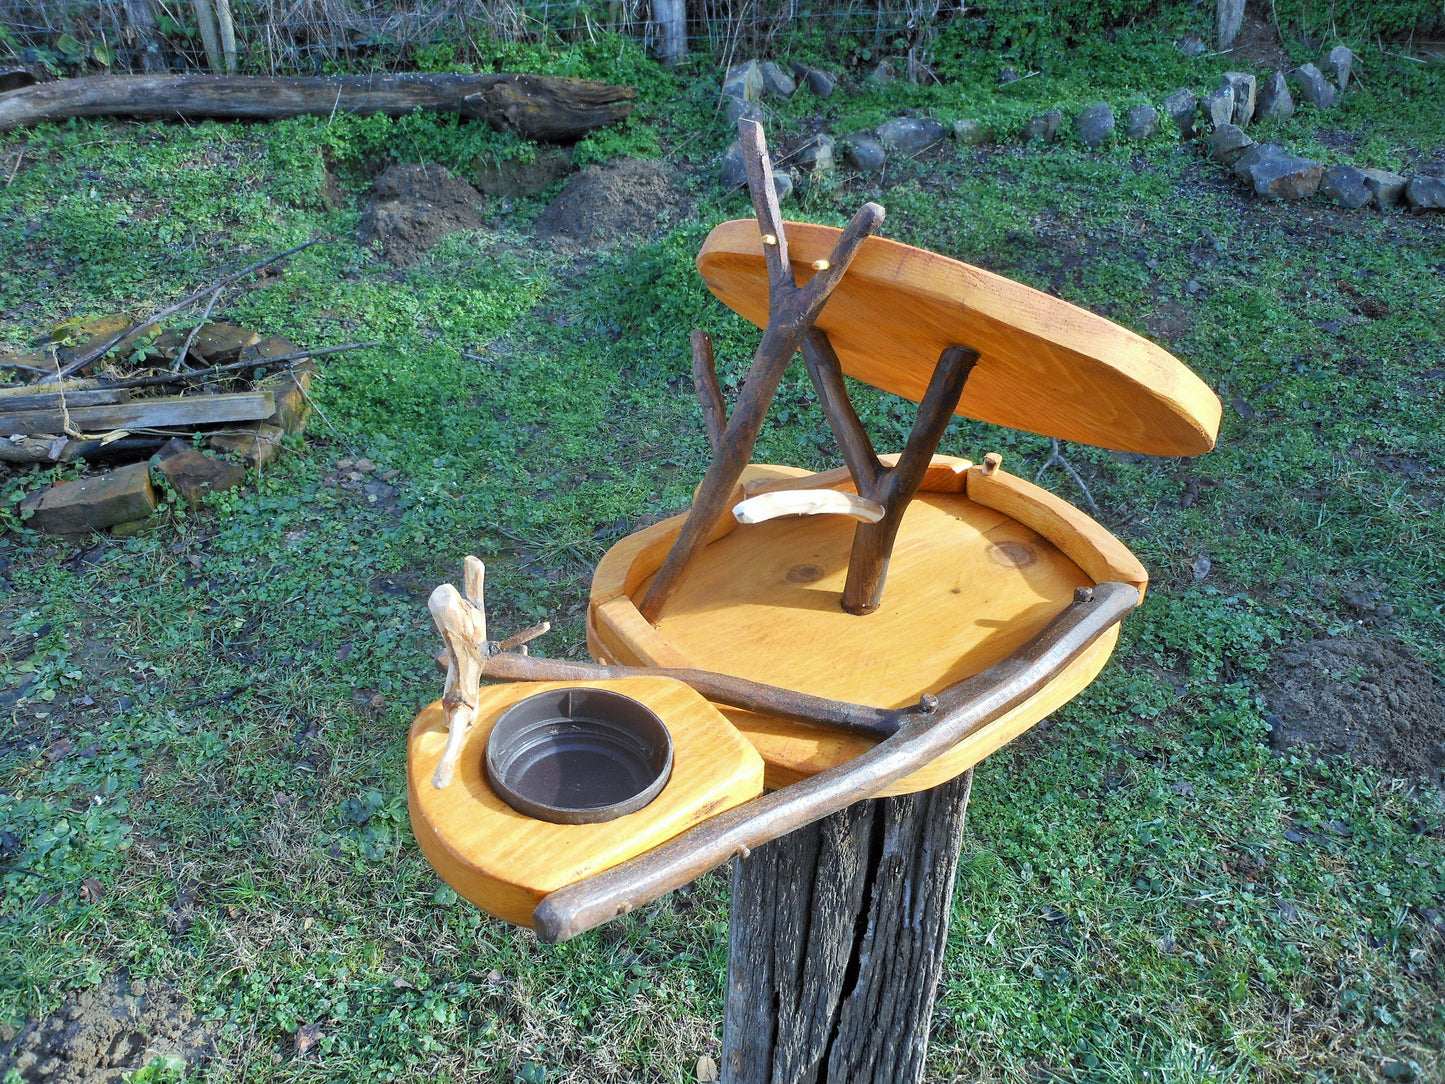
(1370, 698)
(612, 202)
(413, 207)
(104, 1034)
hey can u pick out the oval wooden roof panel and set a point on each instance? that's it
(1045, 365)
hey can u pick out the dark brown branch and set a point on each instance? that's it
(253, 363)
(95, 353)
(549, 108)
(765, 205)
(877, 723)
(792, 311)
(704, 379)
(827, 374)
(966, 707)
(894, 488)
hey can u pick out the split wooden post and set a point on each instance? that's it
(836, 943)
(792, 310)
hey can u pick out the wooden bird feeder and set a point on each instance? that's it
(866, 632)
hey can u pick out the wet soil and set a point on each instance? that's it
(1369, 698)
(412, 207)
(610, 203)
(103, 1035)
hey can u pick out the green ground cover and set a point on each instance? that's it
(1147, 893)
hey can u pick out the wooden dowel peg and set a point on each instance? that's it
(821, 265)
(992, 462)
(770, 239)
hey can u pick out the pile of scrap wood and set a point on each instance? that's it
(119, 391)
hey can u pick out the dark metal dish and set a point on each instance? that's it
(578, 756)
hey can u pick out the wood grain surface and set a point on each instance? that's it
(968, 584)
(505, 862)
(1046, 366)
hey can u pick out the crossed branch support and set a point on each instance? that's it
(884, 492)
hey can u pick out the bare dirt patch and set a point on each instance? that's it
(413, 207)
(609, 203)
(1370, 698)
(102, 1035)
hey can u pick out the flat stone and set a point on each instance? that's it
(882, 75)
(1285, 178)
(815, 153)
(255, 445)
(1141, 121)
(970, 133)
(1346, 186)
(1387, 188)
(1341, 62)
(194, 474)
(1228, 18)
(1228, 142)
(1314, 87)
(734, 173)
(777, 82)
(819, 81)
(783, 183)
(1045, 126)
(1094, 124)
(1426, 193)
(1191, 45)
(738, 109)
(1243, 84)
(1254, 155)
(1219, 106)
(1182, 107)
(864, 152)
(291, 389)
(1274, 101)
(95, 503)
(744, 81)
(909, 135)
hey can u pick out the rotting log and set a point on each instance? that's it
(541, 107)
(836, 942)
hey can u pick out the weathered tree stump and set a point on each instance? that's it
(836, 945)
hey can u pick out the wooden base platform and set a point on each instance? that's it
(983, 561)
(504, 861)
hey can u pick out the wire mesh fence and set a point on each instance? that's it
(278, 36)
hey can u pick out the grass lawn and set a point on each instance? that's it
(202, 786)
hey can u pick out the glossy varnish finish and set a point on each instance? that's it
(1045, 366)
(969, 583)
(505, 862)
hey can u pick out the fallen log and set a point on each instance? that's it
(541, 107)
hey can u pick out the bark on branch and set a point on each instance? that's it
(542, 107)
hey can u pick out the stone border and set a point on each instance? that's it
(1268, 169)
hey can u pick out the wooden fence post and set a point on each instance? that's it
(836, 943)
(670, 16)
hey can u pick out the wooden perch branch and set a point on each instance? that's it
(704, 379)
(544, 107)
(462, 622)
(792, 310)
(827, 374)
(958, 711)
(895, 486)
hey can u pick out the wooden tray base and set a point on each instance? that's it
(984, 560)
(505, 862)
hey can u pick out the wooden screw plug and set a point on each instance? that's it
(992, 462)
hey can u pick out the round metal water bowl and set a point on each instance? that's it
(578, 756)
